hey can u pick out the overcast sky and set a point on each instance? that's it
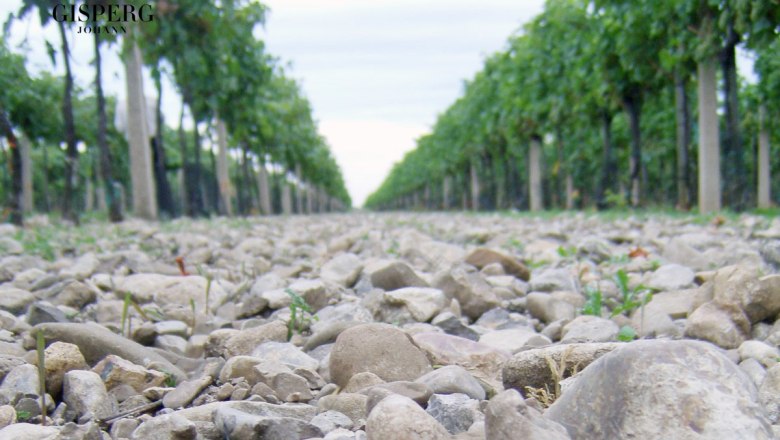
(376, 71)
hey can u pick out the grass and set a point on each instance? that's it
(41, 349)
(301, 315)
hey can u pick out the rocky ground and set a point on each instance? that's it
(393, 326)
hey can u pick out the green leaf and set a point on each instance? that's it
(627, 334)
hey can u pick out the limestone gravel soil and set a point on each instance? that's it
(392, 326)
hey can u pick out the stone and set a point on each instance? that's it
(96, 342)
(455, 412)
(770, 251)
(21, 381)
(186, 392)
(241, 366)
(245, 341)
(41, 312)
(417, 391)
(377, 348)
(84, 392)
(15, 300)
(754, 370)
(342, 269)
(531, 368)
(508, 417)
(166, 290)
(239, 425)
(553, 280)
(360, 381)
(59, 358)
(473, 293)
(166, 427)
(588, 328)
(452, 379)
(82, 268)
(758, 297)
(314, 292)
(693, 388)
(330, 421)
(7, 415)
(397, 417)
(454, 325)
(724, 325)
(27, 431)
(422, 302)
(116, 371)
(482, 257)
(769, 394)
(291, 387)
(480, 360)
(760, 351)
(285, 353)
(391, 275)
(75, 294)
(353, 405)
(513, 340)
(671, 277)
(548, 308)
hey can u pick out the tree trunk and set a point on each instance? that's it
(608, 162)
(186, 206)
(264, 188)
(196, 188)
(45, 180)
(106, 171)
(763, 162)
(709, 152)
(25, 150)
(142, 180)
(223, 177)
(683, 120)
(71, 160)
(569, 192)
(535, 174)
(298, 189)
(633, 106)
(15, 199)
(445, 198)
(474, 186)
(736, 189)
(164, 194)
(286, 195)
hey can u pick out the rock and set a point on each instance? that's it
(82, 268)
(360, 381)
(531, 368)
(724, 325)
(352, 405)
(186, 392)
(548, 308)
(331, 420)
(235, 424)
(770, 250)
(671, 277)
(423, 303)
(455, 326)
(762, 352)
(7, 415)
(754, 370)
(245, 341)
(513, 340)
(74, 294)
(680, 252)
(391, 275)
(59, 358)
(27, 431)
(84, 392)
(552, 280)
(241, 366)
(589, 329)
(285, 353)
(21, 381)
(769, 394)
(654, 323)
(291, 387)
(41, 312)
(166, 290)
(343, 269)
(452, 379)
(508, 417)
(480, 360)
(15, 300)
(117, 371)
(758, 297)
(397, 417)
(96, 342)
(166, 427)
(693, 388)
(455, 412)
(474, 295)
(483, 257)
(377, 348)
(417, 391)
(313, 292)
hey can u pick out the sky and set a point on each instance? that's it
(377, 72)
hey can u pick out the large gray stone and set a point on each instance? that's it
(391, 275)
(508, 417)
(692, 391)
(84, 392)
(724, 325)
(671, 277)
(452, 379)
(588, 328)
(398, 417)
(27, 431)
(377, 348)
(423, 303)
(238, 425)
(473, 293)
(482, 257)
(456, 412)
(343, 269)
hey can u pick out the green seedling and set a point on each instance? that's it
(592, 305)
(630, 299)
(170, 380)
(194, 313)
(301, 315)
(627, 334)
(209, 279)
(128, 301)
(23, 415)
(41, 347)
(567, 252)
